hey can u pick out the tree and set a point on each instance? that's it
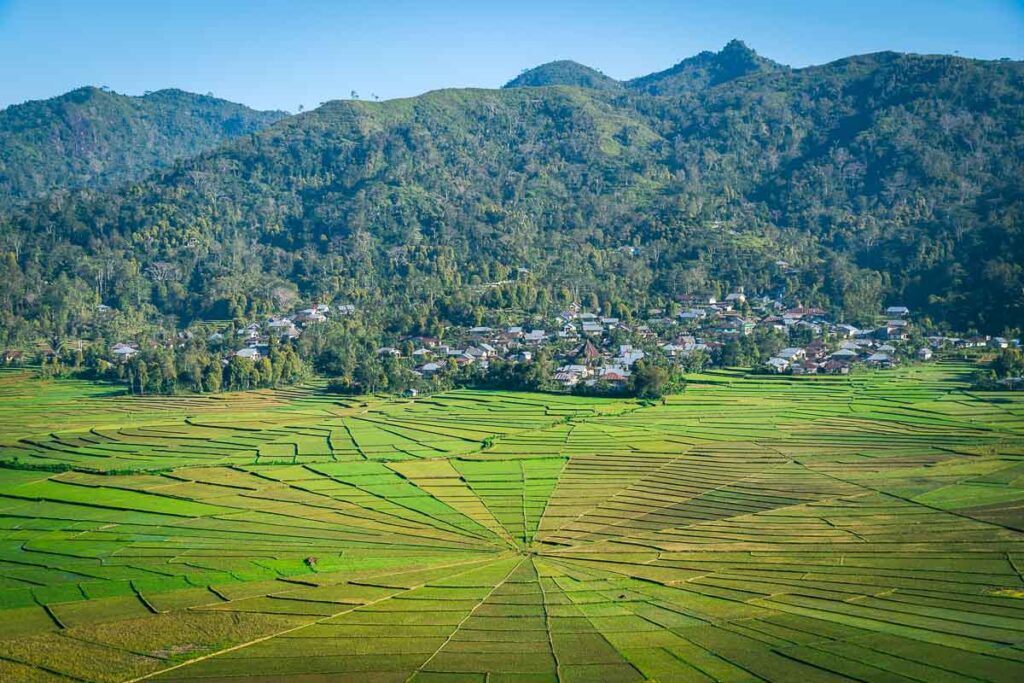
(648, 380)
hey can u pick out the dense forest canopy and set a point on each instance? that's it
(95, 138)
(883, 178)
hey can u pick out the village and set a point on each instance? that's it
(588, 350)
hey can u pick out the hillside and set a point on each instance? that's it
(564, 72)
(94, 138)
(880, 178)
(706, 70)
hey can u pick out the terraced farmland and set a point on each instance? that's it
(754, 528)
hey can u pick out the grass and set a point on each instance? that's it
(867, 528)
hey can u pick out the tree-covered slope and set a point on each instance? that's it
(93, 138)
(705, 70)
(564, 72)
(882, 178)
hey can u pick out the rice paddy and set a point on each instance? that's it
(866, 527)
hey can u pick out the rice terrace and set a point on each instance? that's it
(864, 527)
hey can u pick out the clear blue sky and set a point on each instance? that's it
(279, 54)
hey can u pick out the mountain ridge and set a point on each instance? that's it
(875, 178)
(93, 138)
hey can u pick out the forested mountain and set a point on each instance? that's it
(705, 70)
(94, 138)
(885, 178)
(564, 72)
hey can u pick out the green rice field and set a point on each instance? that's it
(754, 528)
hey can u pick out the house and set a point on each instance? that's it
(617, 377)
(897, 311)
(880, 360)
(592, 328)
(480, 331)
(696, 299)
(791, 354)
(587, 353)
(815, 350)
(535, 336)
(844, 355)
(736, 298)
(804, 312)
(846, 331)
(806, 367)
(422, 353)
(835, 367)
(389, 351)
(628, 355)
(345, 309)
(284, 326)
(248, 353)
(998, 343)
(570, 375)
(672, 350)
(123, 351)
(523, 357)
(310, 315)
(427, 342)
(896, 329)
(924, 353)
(778, 365)
(431, 369)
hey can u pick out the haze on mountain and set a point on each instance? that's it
(881, 178)
(97, 139)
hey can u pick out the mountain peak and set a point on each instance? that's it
(564, 72)
(705, 70)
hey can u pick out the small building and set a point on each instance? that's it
(791, 354)
(880, 360)
(736, 298)
(924, 353)
(124, 351)
(844, 355)
(535, 336)
(897, 311)
(249, 353)
(430, 369)
(806, 367)
(835, 367)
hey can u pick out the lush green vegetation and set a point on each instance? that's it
(884, 178)
(94, 138)
(865, 527)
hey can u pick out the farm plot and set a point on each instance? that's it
(863, 528)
